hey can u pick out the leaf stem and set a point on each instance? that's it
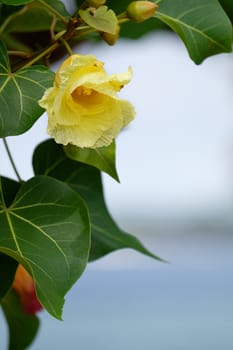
(123, 20)
(84, 30)
(123, 15)
(11, 159)
(54, 11)
(67, 46)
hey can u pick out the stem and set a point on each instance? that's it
(84, 31)
(47, 51)
(123, 20)
(19, 53)
(122, 15)
(52, 28)
(41, 55)
(82, 28)
(11, 159)
(54, 11)
(67, 46)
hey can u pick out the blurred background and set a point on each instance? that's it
(175, 163)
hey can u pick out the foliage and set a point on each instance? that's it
(57, 221)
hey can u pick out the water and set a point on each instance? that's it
(165, 309)
(128, 301)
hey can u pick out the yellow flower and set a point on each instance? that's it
(83, 106)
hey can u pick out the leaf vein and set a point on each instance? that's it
(46, 235)
(194, 29)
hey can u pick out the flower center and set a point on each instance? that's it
(85, 96)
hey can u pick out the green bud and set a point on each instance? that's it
(139, 11)
(111, 38)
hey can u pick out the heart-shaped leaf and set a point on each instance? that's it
(101, 19)
(22, 327)
(19, 95)
(46, 229)
(106, 236)
(103, 158)
(202, 25)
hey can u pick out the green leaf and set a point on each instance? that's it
(15, 2)
(202, 25)
(50, 159)
(6, 11)
(7, 273)
(47, 230)
(101, 19)
(57, 5)
(37, 18)
(22, 327)
(103, 158)
(19, 95)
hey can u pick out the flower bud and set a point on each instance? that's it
(111, 38)
(139, 11)
(24, 286)
(96, 3)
